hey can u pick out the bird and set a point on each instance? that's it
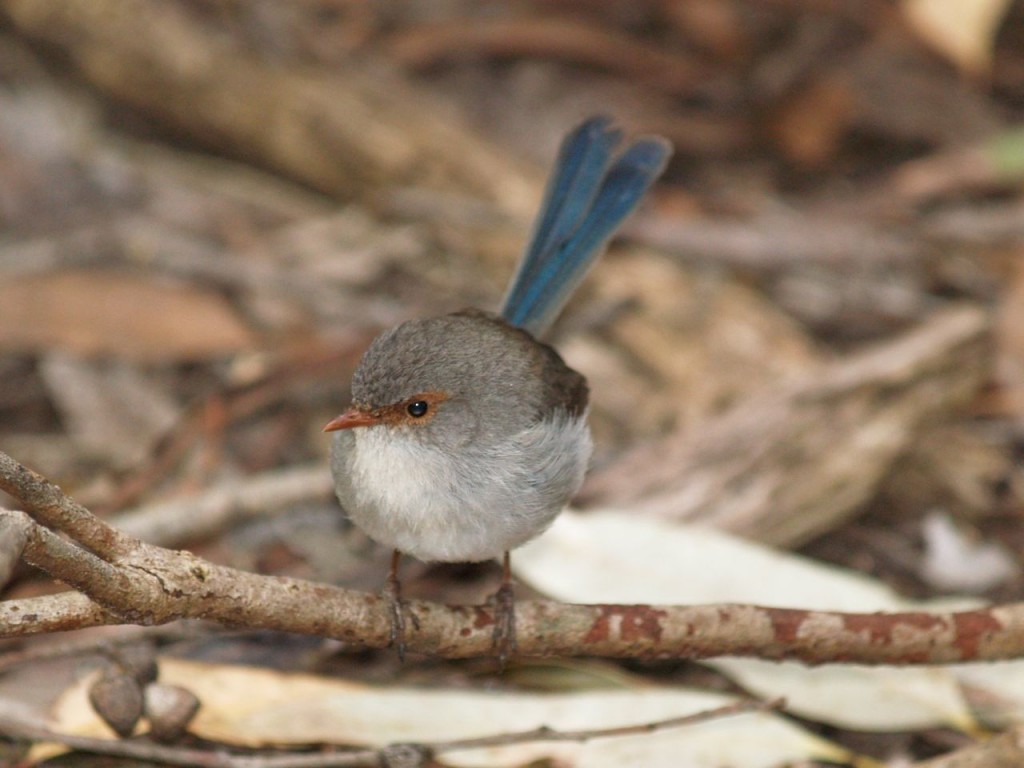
(467, 434)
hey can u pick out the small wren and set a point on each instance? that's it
(467, 435)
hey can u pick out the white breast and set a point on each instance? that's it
(476, 506)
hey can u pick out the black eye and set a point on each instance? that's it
(418, 408)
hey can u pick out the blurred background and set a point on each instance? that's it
(811, 335)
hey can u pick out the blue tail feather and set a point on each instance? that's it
(586, 200)
(581, 164)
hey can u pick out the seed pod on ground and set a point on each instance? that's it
(169, 709)
(117, 698)
(139, 661)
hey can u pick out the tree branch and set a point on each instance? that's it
(142, 584)
(13, 538)
(52, 508)
(51, 613)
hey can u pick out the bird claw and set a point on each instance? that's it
(392, 594)
(504, 637)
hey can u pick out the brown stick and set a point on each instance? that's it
(56, 511)
(150, 585)
(549, 37)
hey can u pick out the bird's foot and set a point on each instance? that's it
(392, 595)
(504, 642)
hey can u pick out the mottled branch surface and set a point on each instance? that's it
(139, 583)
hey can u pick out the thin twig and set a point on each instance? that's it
(548, 37)
(85, 646)
(51, 613)
(17, 727)
(173, 523)
(61, 513)
(104, 582)
(416, 753)
(549, 734)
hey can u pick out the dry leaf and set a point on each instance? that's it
(116, 314)
(622, 557)
(1010, 328)
(962, 30)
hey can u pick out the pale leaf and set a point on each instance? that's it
(962, 30)
(258, 707)
(617, 557)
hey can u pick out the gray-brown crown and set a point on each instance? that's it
(478, 361)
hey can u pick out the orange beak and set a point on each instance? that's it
(353, 417)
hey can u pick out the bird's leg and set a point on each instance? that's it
(393, 595)
(505, 614)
